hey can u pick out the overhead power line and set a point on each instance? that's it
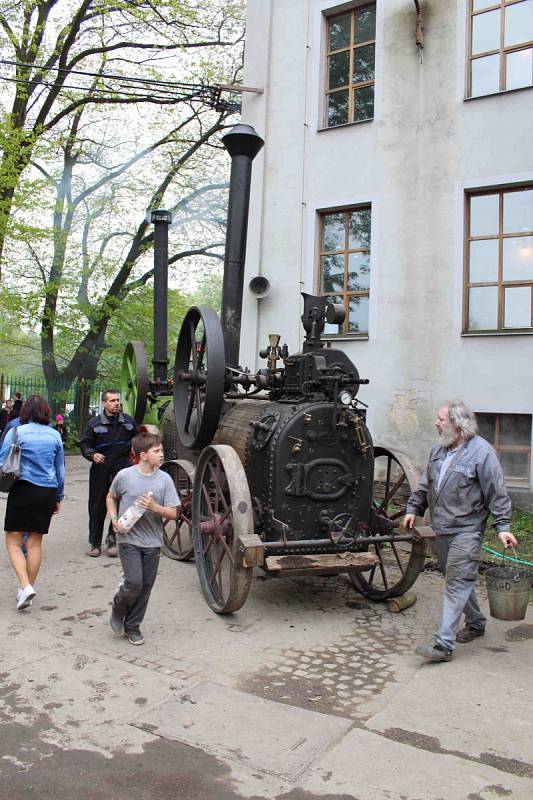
(106, 75)
(132, 87)
(160, 93)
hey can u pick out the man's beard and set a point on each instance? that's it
(446, 438)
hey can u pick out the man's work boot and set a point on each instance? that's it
(434, 652)
(469, 633)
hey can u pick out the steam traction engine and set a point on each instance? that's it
(280, 471)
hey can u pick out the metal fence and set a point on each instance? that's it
(76, 401)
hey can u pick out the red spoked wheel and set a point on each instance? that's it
(222, 513)
(177, 535)
(400, 563)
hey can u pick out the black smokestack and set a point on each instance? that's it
(243, 144)
(161, 220)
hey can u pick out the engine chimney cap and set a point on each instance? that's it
(161, 215)
(243, 140)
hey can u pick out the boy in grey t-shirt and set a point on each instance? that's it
(139, 547)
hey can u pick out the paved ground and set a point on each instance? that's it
(309, 692)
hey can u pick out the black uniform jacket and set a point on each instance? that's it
(110, 436)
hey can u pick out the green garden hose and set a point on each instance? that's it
(508, 558)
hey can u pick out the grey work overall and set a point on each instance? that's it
(471, 488)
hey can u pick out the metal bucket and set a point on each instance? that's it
(508, 591)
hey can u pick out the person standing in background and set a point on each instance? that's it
(17, 404)
(60, 427)
(13, 423)
(6, 414)
(106, 443)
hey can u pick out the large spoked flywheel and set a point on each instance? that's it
(399, 562)
(177, 535)
(134, 381)
(199, 376)
(221, 515)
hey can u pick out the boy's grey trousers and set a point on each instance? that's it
(139, 568)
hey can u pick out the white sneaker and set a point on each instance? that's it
(25, 596)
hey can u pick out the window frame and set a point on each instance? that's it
(346, 294)
(508, 448)
(350, 86)
(499, 283)
(502, 52)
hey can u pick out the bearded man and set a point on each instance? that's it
(462, 483)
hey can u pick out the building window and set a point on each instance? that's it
(499, 261)
(510, 435)
(344, 266)
(501, 46)
(350, 65)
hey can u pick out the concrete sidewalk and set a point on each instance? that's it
(308, 692)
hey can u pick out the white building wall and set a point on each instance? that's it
(413, 162)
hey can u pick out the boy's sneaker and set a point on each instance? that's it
(112, 550)
(24, 597)
(135, 637)
(434, 652)
(94, 552)
(116, 621)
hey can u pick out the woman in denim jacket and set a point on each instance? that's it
(37, 494)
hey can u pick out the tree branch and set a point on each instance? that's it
(38, 262)
(10, 33)
(198, 251)
(42, 170)
(125, 167)
(186, 201)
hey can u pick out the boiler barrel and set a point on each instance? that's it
(234, 428)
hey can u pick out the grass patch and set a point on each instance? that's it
(521, 527)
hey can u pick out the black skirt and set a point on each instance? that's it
(29, 508)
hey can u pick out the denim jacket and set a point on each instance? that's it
(41, 455)
(472, 487)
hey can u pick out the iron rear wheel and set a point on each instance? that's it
(400, 563)
(199, 377)
(222, 513)
(134, 381)
(177, 535)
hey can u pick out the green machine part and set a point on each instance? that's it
(137, 400)
(155, 410)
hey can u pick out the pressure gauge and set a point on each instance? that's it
(345, 397)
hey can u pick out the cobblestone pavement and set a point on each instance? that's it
(72, 694)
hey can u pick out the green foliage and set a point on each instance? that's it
(20, 350)
(209, 292)
(82, 160)
(133, 321)
(522, 528)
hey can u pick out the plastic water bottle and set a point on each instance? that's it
(132, 515)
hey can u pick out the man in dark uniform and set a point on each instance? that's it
(106, 443)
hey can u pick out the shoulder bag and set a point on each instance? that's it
(10, 469)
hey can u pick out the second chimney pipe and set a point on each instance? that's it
(243, 144)
(161, 220)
